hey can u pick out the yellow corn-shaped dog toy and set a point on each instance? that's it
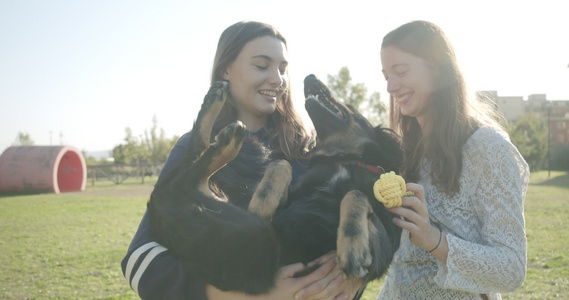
(389, 189)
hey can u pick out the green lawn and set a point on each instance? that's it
(70, 245)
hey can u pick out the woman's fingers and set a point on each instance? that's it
(320, 273)
(411, 209)
(323, 258)
(417, 189)
(290, 270)
(318, 284)
(324, 289)
(414, 212)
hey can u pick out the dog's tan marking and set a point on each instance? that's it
(272, 190)
(353, 235)
(227, 144)
(206, 124)
(203, 187)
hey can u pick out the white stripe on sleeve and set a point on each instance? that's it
(134, 257)
(147, 260)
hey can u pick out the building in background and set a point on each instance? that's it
(556, 112)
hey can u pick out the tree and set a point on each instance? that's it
(356, 95)
(129, 152)
(529, 134)
(91, 160)
(559, 157)
(23, 139)
(153, 147)
(157, 145)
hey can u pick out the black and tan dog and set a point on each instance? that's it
(332, 206)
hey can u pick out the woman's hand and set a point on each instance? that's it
(286, 286)
(416, 220)
(333, 286)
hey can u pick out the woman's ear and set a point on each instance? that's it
(226, 75)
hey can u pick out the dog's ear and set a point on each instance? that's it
(390, 145)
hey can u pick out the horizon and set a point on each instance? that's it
(87, 70)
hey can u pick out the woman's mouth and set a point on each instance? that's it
(403, 99)
(272, 94)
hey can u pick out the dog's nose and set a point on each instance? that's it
(310, 77)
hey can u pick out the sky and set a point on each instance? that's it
(80, 72)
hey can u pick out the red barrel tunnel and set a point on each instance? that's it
(39, 169)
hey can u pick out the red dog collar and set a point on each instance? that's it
(371, 168)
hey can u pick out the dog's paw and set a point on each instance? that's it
(218, 91)
(272, 190)
(354, 261)
(215, 97)
(282, 168)
(212, 104)
(354, 254)
(231, 137)
(227, 144)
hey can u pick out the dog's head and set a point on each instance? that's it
(345, 134)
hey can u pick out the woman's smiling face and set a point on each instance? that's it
(410, 81)
(258, 77)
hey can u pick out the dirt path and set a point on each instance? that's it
(129, 191)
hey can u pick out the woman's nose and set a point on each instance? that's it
(392, 85)
(276, 78)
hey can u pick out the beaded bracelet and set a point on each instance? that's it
(440, 238)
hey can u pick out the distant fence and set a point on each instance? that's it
(118, 173)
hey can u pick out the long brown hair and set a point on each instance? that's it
(453, 116)
(287, 130)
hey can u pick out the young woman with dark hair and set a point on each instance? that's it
(464, 232)
(253, 58)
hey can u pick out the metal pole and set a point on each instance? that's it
(549, 139)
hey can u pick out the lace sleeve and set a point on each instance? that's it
(495, 259)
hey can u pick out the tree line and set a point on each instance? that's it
(154, 147)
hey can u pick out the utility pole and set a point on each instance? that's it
(548, 139)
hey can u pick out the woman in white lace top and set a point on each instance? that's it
(464, 232)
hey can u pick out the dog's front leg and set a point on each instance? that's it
(227, 144)
(272, 190)
(211, 106)
(354, 255)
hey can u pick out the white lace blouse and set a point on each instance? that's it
(485, 229)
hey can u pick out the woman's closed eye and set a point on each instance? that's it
(402, 73)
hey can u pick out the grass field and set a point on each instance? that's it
(69, 246)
